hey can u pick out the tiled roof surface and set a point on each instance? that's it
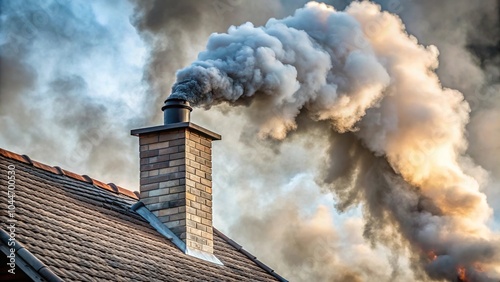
(83, 230)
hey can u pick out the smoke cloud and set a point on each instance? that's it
(176, 30)
(76, 76)
(359, 71)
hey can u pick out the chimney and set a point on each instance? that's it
(176, 175)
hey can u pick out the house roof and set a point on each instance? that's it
(77, 228)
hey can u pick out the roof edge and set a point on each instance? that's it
(30, 260)
(253, 258)
(59, 171)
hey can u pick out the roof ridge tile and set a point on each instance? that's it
(113, 186)
(88, 179)
(45, 167)
(59, 171)
(27, 159)
(11, 155)
(102, 185)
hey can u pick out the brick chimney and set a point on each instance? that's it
(176, 175)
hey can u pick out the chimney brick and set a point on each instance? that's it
(176, 182)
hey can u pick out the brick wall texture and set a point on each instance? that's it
(176, 183)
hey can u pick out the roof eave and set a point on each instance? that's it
(28, 263)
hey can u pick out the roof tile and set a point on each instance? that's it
(45, 167)
(84, 231)
(13, 156)
(102, 185)
(59, 171)
(127, 192)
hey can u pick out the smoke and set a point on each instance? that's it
(467, 37)
(317, 253)
(359, 71)
(176, 30)
(71, 88)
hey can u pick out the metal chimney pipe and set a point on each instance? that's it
(176, 110)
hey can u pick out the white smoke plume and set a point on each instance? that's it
(360, 74)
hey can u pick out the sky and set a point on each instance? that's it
(77, 76)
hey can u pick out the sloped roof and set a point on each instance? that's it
(83, 229)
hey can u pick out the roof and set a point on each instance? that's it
(77, 228)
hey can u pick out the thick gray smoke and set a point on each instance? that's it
(363, 74)
(71, 76)
(175, 30)
(282, 62)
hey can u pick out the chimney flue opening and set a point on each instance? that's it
(176, 110)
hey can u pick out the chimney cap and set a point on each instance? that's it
(176, 110)
(176, 103)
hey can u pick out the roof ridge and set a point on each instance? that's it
(59, 171)
(253, 258)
